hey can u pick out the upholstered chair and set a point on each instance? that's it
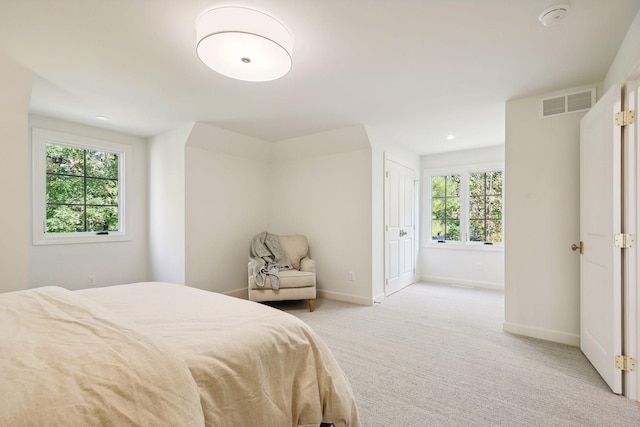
(298, 283)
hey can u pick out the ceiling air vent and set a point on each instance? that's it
(567, 103)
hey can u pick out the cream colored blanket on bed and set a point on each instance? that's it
(66, 361)
(254, 365)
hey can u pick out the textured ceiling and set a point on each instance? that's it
(413, 70)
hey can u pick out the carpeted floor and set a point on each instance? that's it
(436, 355)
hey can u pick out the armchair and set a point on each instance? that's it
(295, 284)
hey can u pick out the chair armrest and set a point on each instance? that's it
(249, 272)
(308, 264)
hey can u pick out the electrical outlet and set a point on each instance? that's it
(92, 281)
(352, 276)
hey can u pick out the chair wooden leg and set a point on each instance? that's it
(312, 304)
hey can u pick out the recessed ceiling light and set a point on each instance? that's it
(244, 44)
(103, 118)
(553, 15)
(450, 137)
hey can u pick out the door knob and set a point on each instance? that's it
(575, 247)
(403, 233)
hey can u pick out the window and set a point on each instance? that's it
(78, 188)
(465, 206)
(82, 190)
(445, 207)
(485, 207)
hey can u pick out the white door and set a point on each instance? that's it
(600, 221)
(399, 226)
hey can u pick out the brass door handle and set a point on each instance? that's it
(575, 247)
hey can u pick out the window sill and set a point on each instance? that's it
(466, 247)
(73, 240)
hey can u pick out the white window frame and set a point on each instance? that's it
(39, 140)
(464, 171)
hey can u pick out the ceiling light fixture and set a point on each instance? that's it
(553, 15)
(244, 44)
(450, 137)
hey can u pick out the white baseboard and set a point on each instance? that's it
(541, 333)
(461, 282)
(379, 298)
(337, 296)
(238, 293)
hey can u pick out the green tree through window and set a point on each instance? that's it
(485, 207)
(445, 208)
(81, 190)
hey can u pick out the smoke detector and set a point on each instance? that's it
(553, 15)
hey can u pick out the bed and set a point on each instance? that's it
(164, 355)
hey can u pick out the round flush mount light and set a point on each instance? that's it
(244, 44)
(553, 15)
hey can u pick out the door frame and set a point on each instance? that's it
(415, 214)
(631, 256)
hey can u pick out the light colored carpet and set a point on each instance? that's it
(435, 355)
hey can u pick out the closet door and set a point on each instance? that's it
(399, 226)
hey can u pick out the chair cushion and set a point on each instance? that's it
(282, 294)
(296, 247)
(288, 279)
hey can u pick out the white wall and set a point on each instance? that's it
(228, 202)
(481, 268)
(473, 266)
(494, 154)
(321, 188)
(626, 65)
(542, 222)
(382, 145)
(70, 265)
(167, 205)
(317, 185)
(15, 87)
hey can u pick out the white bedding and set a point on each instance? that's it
(157, 354)
(66, 361)
(254, 365)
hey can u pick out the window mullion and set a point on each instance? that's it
(446, 220)
(484, 207)
(85, 191)
(464, 206)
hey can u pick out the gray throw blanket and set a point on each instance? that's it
(267, 258)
